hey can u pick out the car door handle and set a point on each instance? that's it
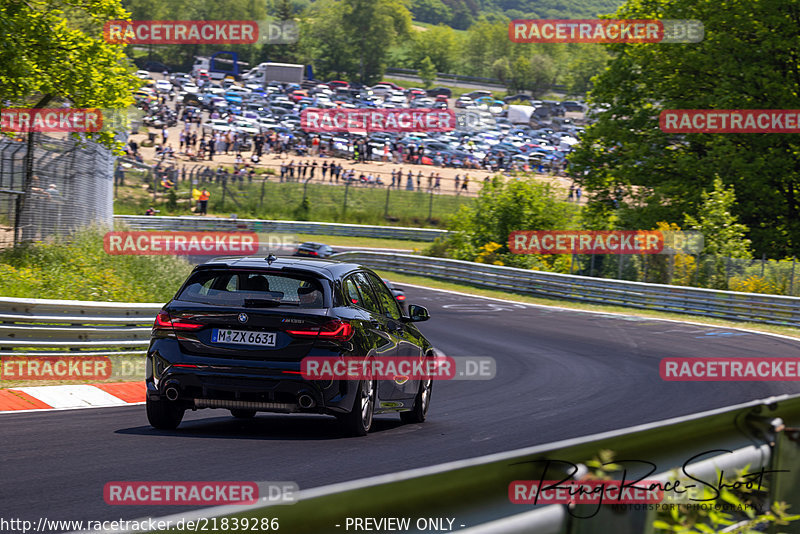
(377, 325)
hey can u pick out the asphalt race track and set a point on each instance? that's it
(560, 374)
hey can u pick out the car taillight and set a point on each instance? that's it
(333, 331)
(165, 322)
(401, 297)
(313, 253)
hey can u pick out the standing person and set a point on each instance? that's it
(578, 193)
(430, 181)
(571, 193)
(324, 169)
(182, 140)
(465, 183)
(202, 201)
(338, 171)
(164, 135)
(305, 169)
(394, 177)
(419, 180)
(311, 171)
(291, 171)
(410, 181)
(438, 185)
(458, 181)
(211, 148)
(283, 171)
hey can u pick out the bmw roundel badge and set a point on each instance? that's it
(242, 317)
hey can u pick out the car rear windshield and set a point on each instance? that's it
(252, 289)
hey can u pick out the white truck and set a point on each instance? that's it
(266, 73)
(219, 68)
(518, 114)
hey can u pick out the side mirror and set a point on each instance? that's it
(417, 313)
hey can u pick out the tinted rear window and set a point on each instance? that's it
(256, 289)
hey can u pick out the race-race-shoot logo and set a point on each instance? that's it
(69, 120)
(377, 120)
(605, 31)
(181, 32)
(730, 120)
(195, 243)
(584, 492)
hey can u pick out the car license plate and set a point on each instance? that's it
(243, 337)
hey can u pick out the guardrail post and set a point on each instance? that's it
(791, 279)
(785, 458)
(346, 189)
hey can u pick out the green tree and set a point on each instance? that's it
(283, 10)
(56, 49)
(585, 62)
(502, 207)
(427, 72)
(542, 74)
(372, 28)
(722, 234)
(439, 43)
(501, 69)
(747, 60)
(521, 75)
(431, 11)
(324, 40)
(485, 43)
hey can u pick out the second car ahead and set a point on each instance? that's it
(314, 250)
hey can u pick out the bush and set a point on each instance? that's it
(77, 268)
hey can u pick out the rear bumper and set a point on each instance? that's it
(252, 385)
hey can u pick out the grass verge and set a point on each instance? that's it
(78, 268)
(284, 201)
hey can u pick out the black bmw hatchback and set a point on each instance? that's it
(234, 336)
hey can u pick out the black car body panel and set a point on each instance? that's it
(284, 310)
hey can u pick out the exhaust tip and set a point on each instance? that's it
(171, 393)
(305, 401)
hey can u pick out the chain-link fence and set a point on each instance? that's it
(334, 198)
(60, 185)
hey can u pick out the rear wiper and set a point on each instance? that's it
(261, 303)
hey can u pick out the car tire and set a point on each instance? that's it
(421, 403)
(243, 414)
(164, 415)
(358, 421)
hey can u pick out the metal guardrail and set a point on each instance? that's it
(475, 492)
(73, 325)
(752, 307)
(188, 223)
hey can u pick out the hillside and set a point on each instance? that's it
(461, 13)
